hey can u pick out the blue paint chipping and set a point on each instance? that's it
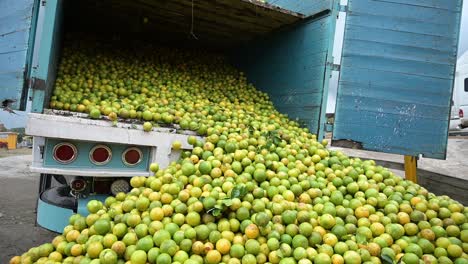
(15, 23)
(397, 74)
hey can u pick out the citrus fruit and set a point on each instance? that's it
(94, 249)
(322, 258)
(145, 243)
(327, 221)
(176, 145)
(95, 113)
(154, 167)
(410, 258)
(147, 126)
(108, 256)
(138, 257)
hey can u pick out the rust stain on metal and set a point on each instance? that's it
(39, 84)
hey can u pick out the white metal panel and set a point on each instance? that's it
(90, 173)
(76, 128)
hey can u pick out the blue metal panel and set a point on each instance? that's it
(15, 24)
(52, 217)
(83, 161)
(309, 7)
(397, 74)
(48, 45)
(290, 65)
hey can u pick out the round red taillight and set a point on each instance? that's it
(65, 152)
(132, 156)
(100, 155)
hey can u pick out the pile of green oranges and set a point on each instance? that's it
(158, 86)
(258, 189)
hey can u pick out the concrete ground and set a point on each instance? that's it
(18, 194)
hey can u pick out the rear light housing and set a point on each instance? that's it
(132, 156)
(460, 113)
(100, 155)
(65, 152)
(78, 184)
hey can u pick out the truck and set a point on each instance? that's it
(393, 52)
(460, 94)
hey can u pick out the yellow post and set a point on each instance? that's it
(12, 140)
(410, 169)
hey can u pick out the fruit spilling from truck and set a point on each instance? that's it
(258, 189)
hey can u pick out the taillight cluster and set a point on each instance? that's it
(66, 153)
(460, 113)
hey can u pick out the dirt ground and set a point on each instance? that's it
(18, 194)
(14, 152)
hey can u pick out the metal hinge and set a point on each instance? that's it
(334, 67)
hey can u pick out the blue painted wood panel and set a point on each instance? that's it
(45, 65)
(397, 73)
(306, 7)
(15, 24)
(290, 65)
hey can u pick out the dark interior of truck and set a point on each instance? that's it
(216, 24)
